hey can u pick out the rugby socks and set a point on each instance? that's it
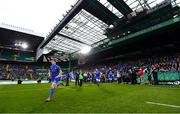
(51, 92)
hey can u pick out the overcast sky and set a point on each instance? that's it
(37, 15)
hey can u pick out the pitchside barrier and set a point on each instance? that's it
(164, 77)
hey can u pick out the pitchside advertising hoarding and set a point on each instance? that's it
(170, 83)
(169, 78)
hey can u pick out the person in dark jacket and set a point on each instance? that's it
(67, 79)
(76, 78)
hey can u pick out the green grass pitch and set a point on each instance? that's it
(105, 99)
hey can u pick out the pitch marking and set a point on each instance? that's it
(167, 105)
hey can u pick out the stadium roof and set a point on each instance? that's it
(86, 22)
(11, 35)
(20, 29)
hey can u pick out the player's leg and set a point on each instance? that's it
(80, 83)
(142, 80)
(58, 84)
(97, 82)
(62, 82)
(53, 86)
(110, 80)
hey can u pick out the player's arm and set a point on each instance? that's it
(60, 74)
(100, 74)
(49, 74)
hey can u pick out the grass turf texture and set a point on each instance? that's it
(90, 98)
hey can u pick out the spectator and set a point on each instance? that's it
(81, 78)
(67, 79)
(76, 78)
(118, 77)
(19, 81)
(110, 76)
(141, 74)
(155, 73)
(149, 75)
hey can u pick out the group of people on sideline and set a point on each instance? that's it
(132, 72)
(119, 75)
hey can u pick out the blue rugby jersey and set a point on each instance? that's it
(54, 69)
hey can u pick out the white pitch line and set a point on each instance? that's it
(168, 105)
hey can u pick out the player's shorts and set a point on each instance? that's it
(98, 80)
(54, 80)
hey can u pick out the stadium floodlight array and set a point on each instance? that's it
(24, 45)
(85, 49)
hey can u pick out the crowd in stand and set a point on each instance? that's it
(14, 71)
(129, 71)
(121, 72)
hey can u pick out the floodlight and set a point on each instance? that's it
(85, 49)
(24, 45)
(45, 51)
(111, 26)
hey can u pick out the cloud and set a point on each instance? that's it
(37, 15)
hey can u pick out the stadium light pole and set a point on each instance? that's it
(69, 63)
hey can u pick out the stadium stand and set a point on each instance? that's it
(13, 55)
(168, 68)
(14, 71)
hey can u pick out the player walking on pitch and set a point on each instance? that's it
(54, 73)
(98, 76)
